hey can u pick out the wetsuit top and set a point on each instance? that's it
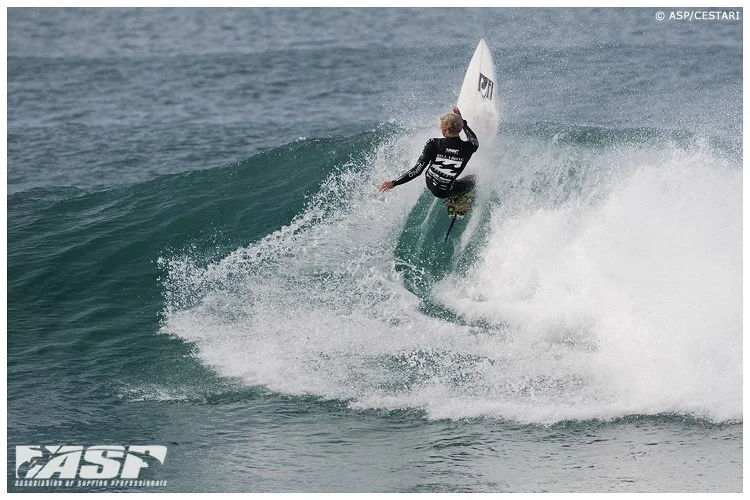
(446, 158)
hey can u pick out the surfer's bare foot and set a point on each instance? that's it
(460, 207)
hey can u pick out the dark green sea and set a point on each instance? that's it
(198, 256)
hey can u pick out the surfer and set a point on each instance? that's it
(446, 158)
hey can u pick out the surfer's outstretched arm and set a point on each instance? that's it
(428, 155)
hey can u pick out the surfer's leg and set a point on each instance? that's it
(459, 198)
(462, 186)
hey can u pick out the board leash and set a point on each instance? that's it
(453, 221)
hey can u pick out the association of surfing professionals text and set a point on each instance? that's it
(62, 466)
(699, 15)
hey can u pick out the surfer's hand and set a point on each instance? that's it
(385, 186)
(457, 111)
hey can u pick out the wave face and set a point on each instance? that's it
(598, 276)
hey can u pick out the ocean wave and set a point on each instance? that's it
(605, 281)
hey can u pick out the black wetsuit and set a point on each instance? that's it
(446, 158)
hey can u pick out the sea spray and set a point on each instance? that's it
(607, 284)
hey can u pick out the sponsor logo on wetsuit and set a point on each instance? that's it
(444, 170)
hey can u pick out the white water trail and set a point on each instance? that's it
(612, 293)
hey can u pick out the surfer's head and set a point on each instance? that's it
(451, 124)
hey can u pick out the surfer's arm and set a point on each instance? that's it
(428, 155)
(471, 136)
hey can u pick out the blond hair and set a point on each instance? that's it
(452, 123)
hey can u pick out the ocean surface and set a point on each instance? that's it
(198, 256)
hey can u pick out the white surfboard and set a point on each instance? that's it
(477, 99)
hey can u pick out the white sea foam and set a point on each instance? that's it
(609, 284)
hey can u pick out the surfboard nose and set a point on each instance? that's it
(478, 99)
